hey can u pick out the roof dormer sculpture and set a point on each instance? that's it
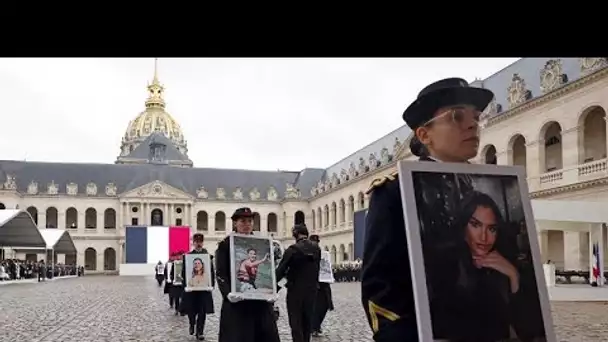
(591, 64)
(552, 76)
(517, 92)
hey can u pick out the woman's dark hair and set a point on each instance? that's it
(202, 263)
(418, 149)
(469, 205)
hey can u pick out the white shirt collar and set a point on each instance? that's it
(435, 159)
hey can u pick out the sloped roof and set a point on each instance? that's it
(142, 151)
(58, 240)
(130, 176)
(17, 228)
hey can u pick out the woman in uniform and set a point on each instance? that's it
(197, 304)
(444, 120)
(241, 320)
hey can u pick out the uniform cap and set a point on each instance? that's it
(242, 212)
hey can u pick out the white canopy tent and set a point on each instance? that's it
(55, 240)
(17, 228)
(58, 240)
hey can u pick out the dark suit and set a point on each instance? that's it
(197, 304)
(176, 290)
(300, 265)
(386, 291)
(323, 303)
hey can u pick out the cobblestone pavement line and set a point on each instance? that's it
(117, 309)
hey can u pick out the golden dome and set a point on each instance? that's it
(153, 119)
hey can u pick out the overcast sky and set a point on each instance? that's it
(262, 114)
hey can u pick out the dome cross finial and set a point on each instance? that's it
(155, 79)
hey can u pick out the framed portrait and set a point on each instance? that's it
(160, 269)
(326, 273)
(252, 267)
(198, 272)
(169, 265)
(474, 256)
(177, 272)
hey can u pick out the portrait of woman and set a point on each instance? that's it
(199, 277)
(482, 293)
(248, 270)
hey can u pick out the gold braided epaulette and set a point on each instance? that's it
(380, 181)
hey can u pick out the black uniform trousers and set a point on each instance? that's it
(197, 314)
(176, 292)
(321, 308)
(300, 309)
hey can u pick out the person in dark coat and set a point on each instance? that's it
(241, 320)
(445, 124)
(300, 265)
(198, 304)
(177, 285)
(167, 271)
(323, 302)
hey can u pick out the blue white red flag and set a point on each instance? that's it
(596, 262)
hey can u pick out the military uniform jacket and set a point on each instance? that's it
(386, 282)
(198, 301)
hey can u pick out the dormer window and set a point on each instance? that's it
(157, 152)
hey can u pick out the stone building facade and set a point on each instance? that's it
(548, 115)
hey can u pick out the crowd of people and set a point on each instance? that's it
(16, 269)
(347, 271)
(242, 320)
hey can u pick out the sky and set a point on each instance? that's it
(262, 113)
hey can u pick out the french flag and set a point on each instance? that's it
(151, 244)
(596, 263)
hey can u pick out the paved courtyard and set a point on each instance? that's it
(100, 309)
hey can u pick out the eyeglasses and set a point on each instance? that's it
(458, 115)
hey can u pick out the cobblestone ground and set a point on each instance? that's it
(101, 309)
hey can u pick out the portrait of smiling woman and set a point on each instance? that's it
(197, 272)
(479, 287)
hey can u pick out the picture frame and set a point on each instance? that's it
(252, 278)
(437, 254)
(326, 272)
(198, 272)
(168, 266)
(177, 272)
(160, 270)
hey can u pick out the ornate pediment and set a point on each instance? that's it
(91, 189)
(592, 64)
(254, 194)
(403, 149)
(552, 76)
(272, 194)
(71, 189)
(10, 183)
(156, 189)
(32, 188)
(517, 91)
